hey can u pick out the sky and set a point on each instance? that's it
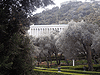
(60, 1)
(57, 3)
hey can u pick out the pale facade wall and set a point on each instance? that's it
(38, 30)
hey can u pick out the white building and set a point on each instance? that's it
(38, 30)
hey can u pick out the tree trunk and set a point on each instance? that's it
(50, 60)
(66, 61)
(47, 62)
(50, 57)
(56, 55)
(60, 59)
(38, 61)
(89, 58)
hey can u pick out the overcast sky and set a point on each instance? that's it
(57, 2)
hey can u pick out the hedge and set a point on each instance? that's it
(56, 72)
(78, 66)
(79, 71)
(70, 70)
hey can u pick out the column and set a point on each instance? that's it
(37, 32)
(31, 31)
(49, 30)
(34, 32)
(54, 28)
(45, 30)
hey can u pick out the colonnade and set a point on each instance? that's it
(38, 30)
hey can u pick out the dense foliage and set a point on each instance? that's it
(15, 53)
(45, 47)
(78, 38)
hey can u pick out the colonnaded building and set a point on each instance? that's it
(38, 30)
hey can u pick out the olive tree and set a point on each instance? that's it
(53, 38)
(47, 45)
(78, 37)
(37, 54)
(43, 43)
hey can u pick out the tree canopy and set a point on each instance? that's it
(15, 52)
(78, 38)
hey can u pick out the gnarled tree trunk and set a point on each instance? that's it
(89, 58)
(60, 59)
(56, 55)
(38, 61)
(67, 61)
(50, 57)
(47, 62)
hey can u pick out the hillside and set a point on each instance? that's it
(89, 12)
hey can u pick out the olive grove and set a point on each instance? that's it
(47, 47)
(78, 38)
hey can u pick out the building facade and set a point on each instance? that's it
(38, 30)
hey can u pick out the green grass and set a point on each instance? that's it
(54, 62)
(81, 61)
